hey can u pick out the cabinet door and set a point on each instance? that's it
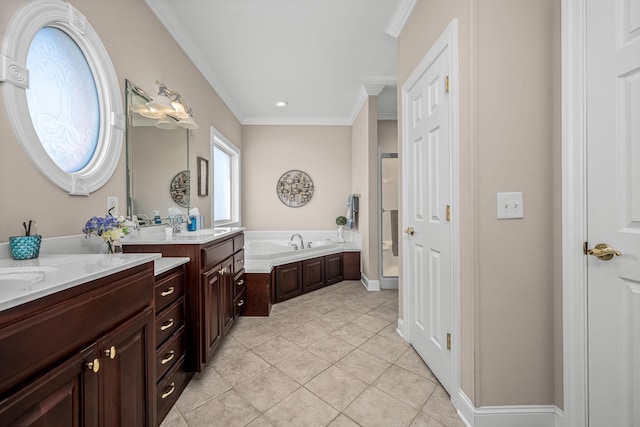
(66, 396)
(211, 312)
(312, 274)
(333, 268)
(288, 281)
(226, 299)
(127, 373)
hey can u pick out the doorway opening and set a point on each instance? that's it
(388, 220)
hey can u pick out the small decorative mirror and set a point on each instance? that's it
(294, 188)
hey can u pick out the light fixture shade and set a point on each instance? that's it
(188, 123)
(161, 103)
(179, 110)
(151, 113)
(166, 123)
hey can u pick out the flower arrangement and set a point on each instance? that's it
(110, 228)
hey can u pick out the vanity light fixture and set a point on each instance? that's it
(162, 102)
(167, 103)
(166, 123)
(188, 122)
(282, 104)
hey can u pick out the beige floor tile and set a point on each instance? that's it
(276, 349)
(423, 420)
(363, 365)
(261, 421)
(229, 347)
(412, 362)
(173, 419)
(344, 312)
(336, 387)
(280, 324)
(328, 325)
(204, 386)
(391, 330)
(301, 409)
(254, 336)
(353, 334)
(370, 323)
(343, 421)
(330, 349)
(385, 347)
(267, 388)
(406, 386)
(377, 409)
(303, 366)
(304, 335)
(227, 410)
(439, 407)
(385, 312)
(243, 323)
(240, 367)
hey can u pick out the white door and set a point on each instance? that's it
(613, 217)
(427, 154)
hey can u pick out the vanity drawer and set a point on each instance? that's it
(169, 353)
(238, 242)
(169, 389)
(216, 254)
(169, 320)
(239, 284)
(238, 262)
(168, 288)
(239, 303)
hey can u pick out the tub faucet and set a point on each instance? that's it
(301, 240)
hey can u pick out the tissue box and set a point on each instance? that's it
(25, 247)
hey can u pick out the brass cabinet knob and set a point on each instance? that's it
(111, 352)
(222, 271)
(94, 365)
(240, 261)
(168, 292)
(240, 282)
(166, 325)
(604, 252)
(410, 231)
(240, 303)
(168, 357)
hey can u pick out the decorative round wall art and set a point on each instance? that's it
(294, 188)
(179, 189)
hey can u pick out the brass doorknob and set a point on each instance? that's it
(410, 231)
(604, 252)
(94, 365)
(111, 352)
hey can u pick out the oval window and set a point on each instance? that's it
(63, 99)
(66, 106)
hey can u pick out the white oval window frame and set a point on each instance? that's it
(24, 24)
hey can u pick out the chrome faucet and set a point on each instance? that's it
(301, 241)
(177, 220)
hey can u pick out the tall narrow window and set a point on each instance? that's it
(226, 181)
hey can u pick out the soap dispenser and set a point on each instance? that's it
(156, 217)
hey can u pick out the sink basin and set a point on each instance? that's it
(25, 270)
(203, 232)
(21, 279)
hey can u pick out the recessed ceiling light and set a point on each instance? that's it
(281, 104)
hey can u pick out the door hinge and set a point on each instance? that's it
(585, 245)
(446, 84)
(448, 341)
(448, 213)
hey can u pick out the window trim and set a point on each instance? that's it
(22, 27)
(219, 140)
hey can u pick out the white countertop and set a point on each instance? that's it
(28, 280)
(156, 236)
(265, 265)
(167, 263)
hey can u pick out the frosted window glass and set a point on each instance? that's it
(221, 185)
(62, 99)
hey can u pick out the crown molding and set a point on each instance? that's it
(298, 121)
(400, 17)
(373, 89)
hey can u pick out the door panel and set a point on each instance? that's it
(613, 216)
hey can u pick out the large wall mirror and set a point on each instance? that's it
(157, 161)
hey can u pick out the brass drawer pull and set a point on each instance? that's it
(222, 271)
(240, 261)
(240, 303)
(240, 282)
(111, 352)
(94, 366)
(168, 292)
(168, 357)
(169, 392)
(166, 325)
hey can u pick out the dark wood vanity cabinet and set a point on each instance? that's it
(81, 357)
(313, 274)
(297, 278)
(288, 279)
(333, 269)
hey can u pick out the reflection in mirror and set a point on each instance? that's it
(157, 151)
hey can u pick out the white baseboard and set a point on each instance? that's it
(509, 416)
(371, 285)
(400, 329)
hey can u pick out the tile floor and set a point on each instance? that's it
(328, 358)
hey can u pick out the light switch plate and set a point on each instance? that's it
(510, 205)
(112, 202)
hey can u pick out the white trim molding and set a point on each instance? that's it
(22, 27)
(400, 17)
(574, 223)
(509, 416)
(370, 284)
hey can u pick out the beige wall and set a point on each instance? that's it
(508, 125)
(141, 50)
(388, 136)
(323, 152)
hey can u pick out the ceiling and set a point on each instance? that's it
(317, 55)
